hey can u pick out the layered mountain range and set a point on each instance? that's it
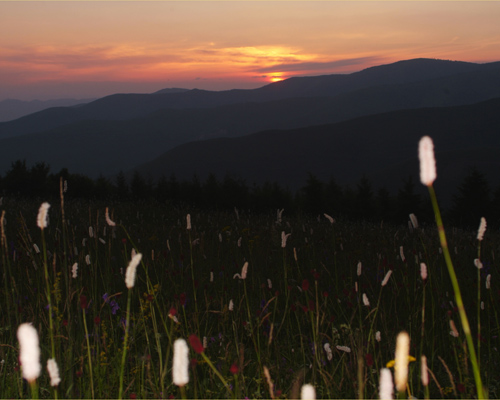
(340, 126)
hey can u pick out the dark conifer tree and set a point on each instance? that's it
(472, 201)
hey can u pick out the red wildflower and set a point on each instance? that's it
(172, 312)
(133, 396)
(369, 360)
(196, 344)
(97, 320)
(83, 302)
(65, 322)
(305, 285)
(234, 369)
(461, 387)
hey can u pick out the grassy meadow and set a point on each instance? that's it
(311, 309)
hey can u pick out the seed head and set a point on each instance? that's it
(131, 270)
(482, 229)
(423, 271)
(386, 278)
(29, 355)
(108, 220)
(366, 302)
(180, 373)
(386, 387)
(42, 218)
(308, 392)
(401, 361)
(427, 161)
(424, 373)
(53, 370)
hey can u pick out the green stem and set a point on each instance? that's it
(458, 295)
(125, 340)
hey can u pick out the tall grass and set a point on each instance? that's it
(297, 313)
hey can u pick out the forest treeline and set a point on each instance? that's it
(474, 197)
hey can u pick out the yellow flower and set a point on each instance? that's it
(391, 363)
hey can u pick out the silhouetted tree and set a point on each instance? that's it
(140, 189)
(472, 200)
(162, 189)
(211, 192)
(121, 189)
(313, 196)
(384, 205)
(365, 205)
(333, 197)
(38, 180)
(408, 201)
(17, 179)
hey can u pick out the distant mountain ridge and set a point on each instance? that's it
(127, 106)
(384, 147)
(123, 131)
(11, 109)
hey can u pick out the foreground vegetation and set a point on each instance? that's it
(311, 309)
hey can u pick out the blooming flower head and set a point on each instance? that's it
(108, 219)
(423, 271)
(366, 302)
(427, 161)
(386, 277)
(414, 221)
(386, 387)
(244, 270)
(74, 270)
(180, 372)
(53, 370)
(131, 270)
(29, 355)
(196, 344)
(345, 349)
(329, 218)
(482, 229)
(42, 218)
(424, 373)
(284, 237)
(401, 361)
(307, 392)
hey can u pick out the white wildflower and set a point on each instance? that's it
(42, 218)
(180, 368)
(53, 370)
(307, 392)
(29, 355)
(108, 219)
(386, 387)
(401, 361)
(131, 270)
(74, 270)
(427, 161)
(386, 277)
(482, 229)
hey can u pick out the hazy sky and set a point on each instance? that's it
(91, 49)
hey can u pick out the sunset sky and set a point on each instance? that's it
(82, 49)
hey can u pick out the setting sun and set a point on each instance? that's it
(276, 78)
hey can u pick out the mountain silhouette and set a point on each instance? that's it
(382, 147)
(127, 106)
(123, 131)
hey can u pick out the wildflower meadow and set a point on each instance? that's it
(132, 300)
